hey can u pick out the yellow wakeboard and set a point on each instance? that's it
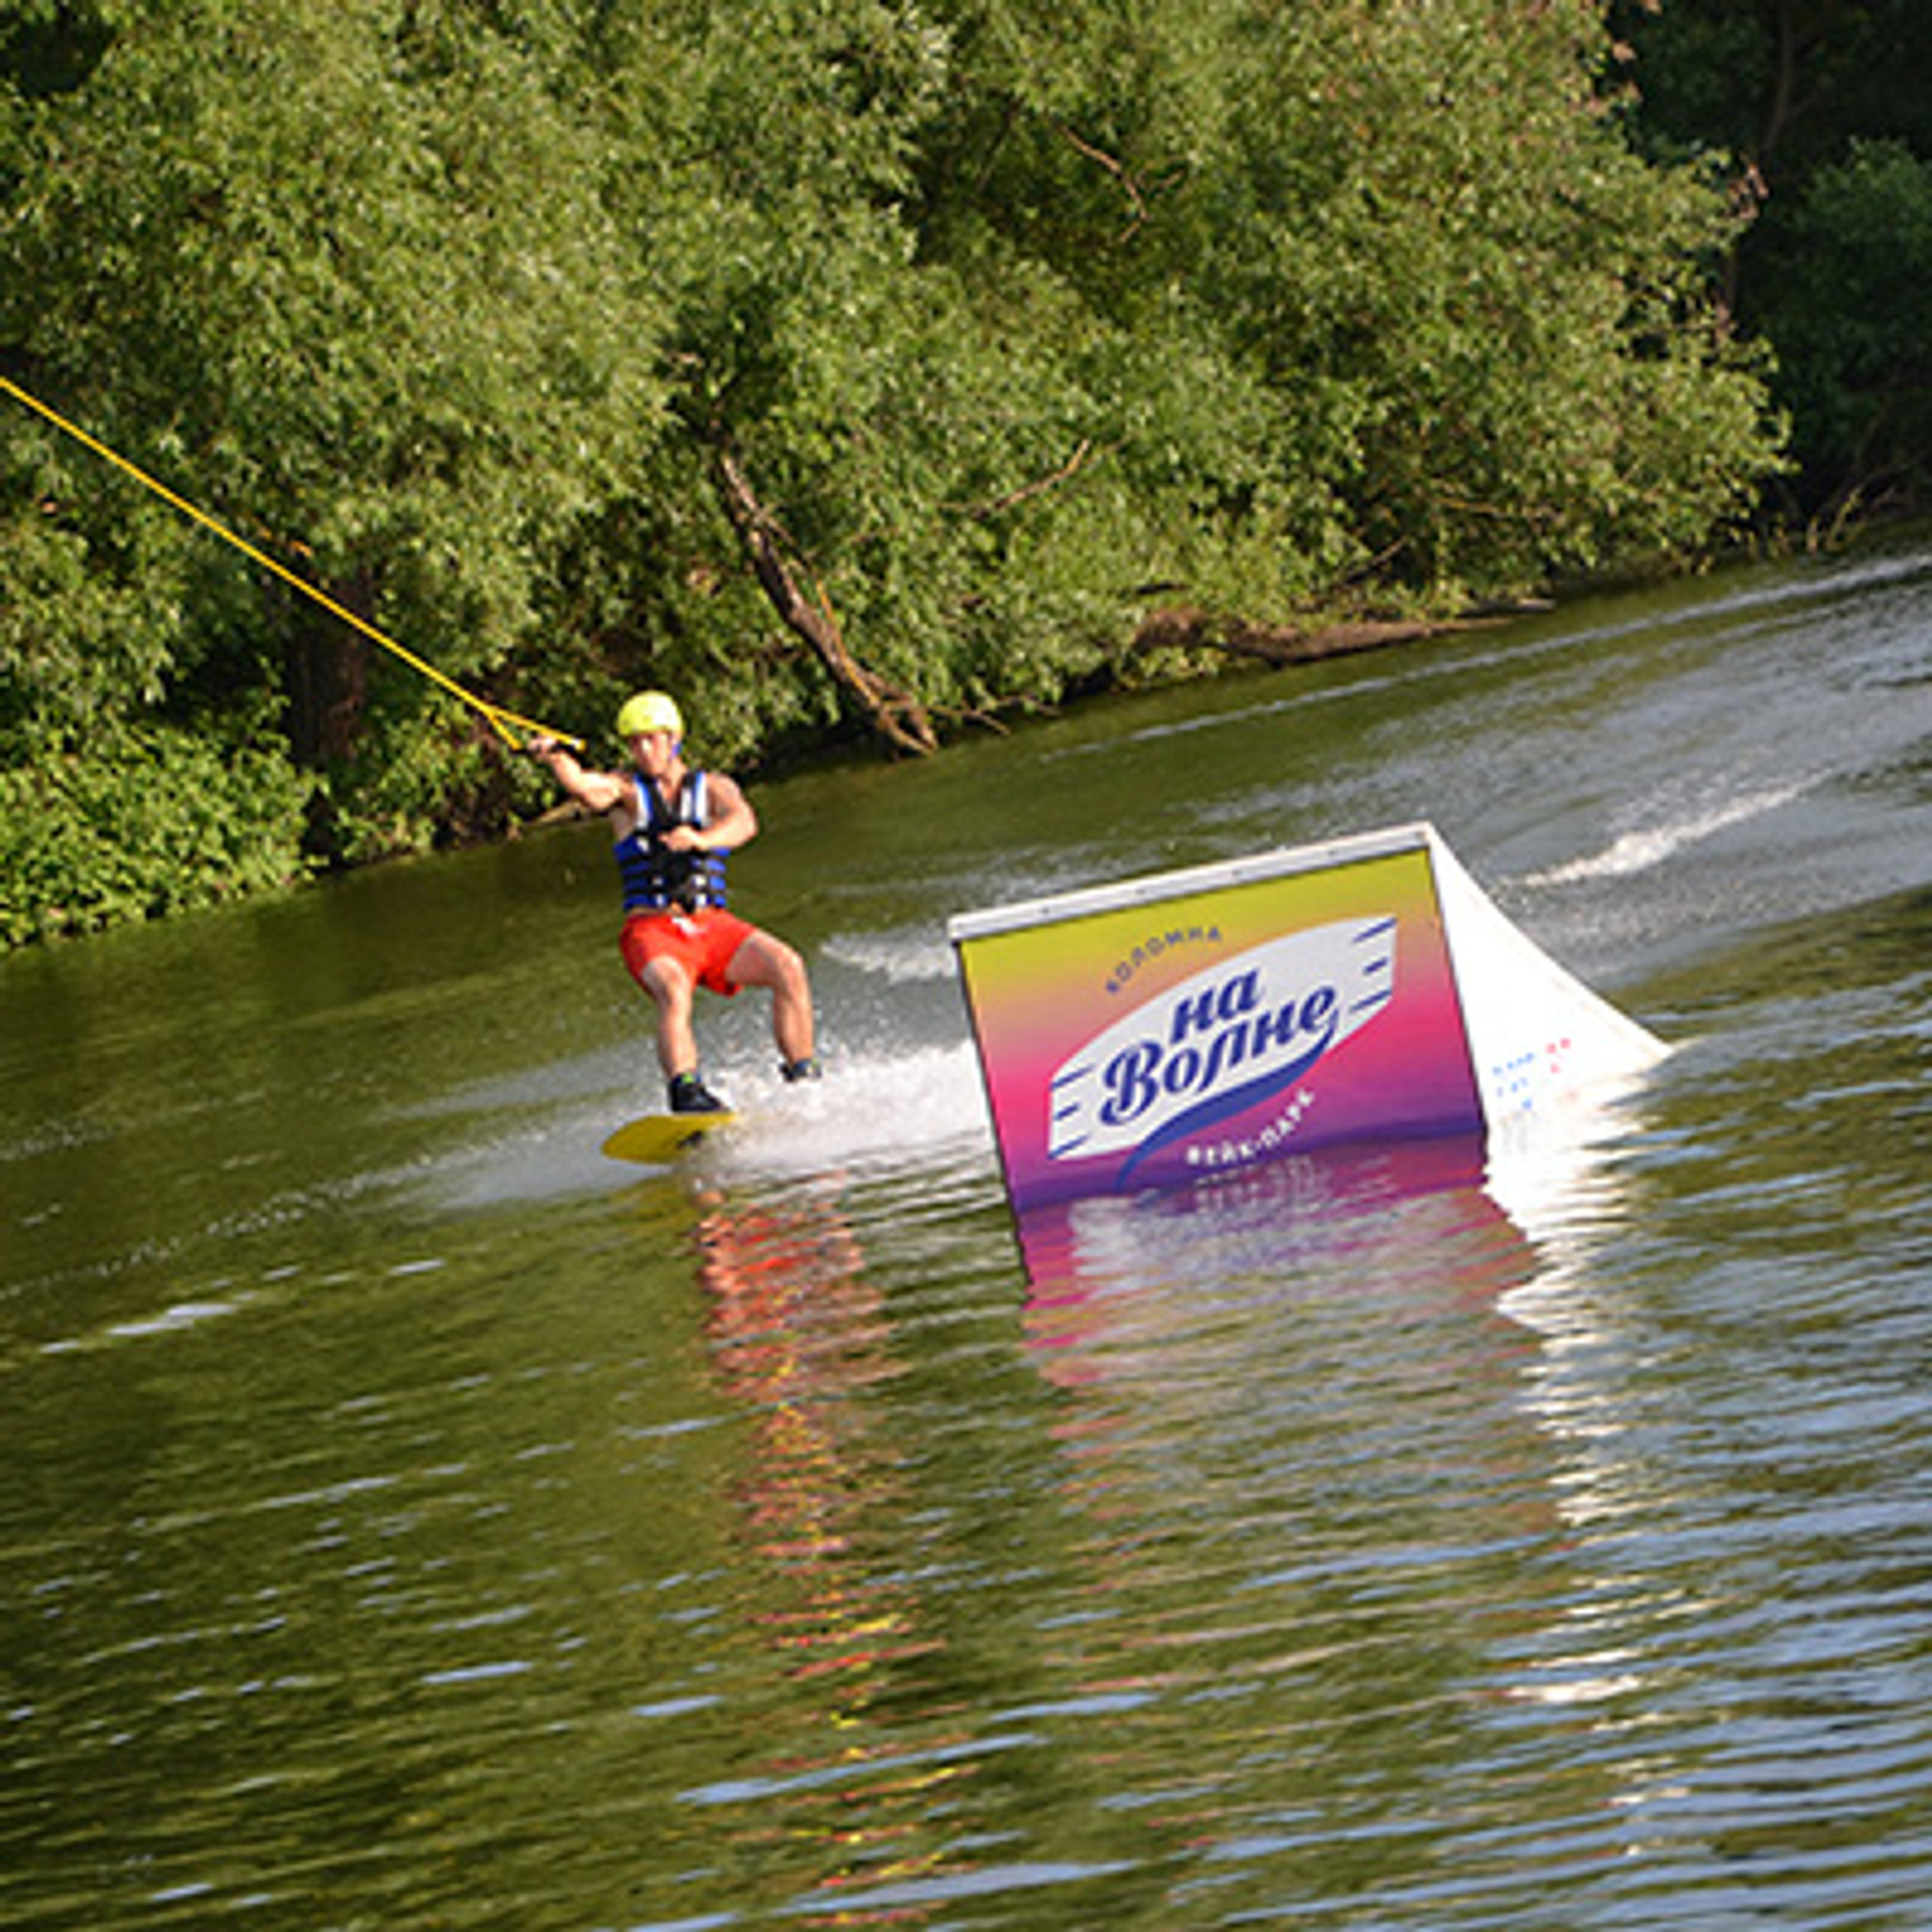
(659, 1138)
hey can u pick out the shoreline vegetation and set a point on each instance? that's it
(872, 374)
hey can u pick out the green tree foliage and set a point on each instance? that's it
(1847, 297)
(993, 328)
(154, 821)
(341, 278)
(1821, 113)
(1499, 310)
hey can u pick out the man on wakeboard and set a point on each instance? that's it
(674, 826)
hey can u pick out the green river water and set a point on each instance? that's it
(412, 1521)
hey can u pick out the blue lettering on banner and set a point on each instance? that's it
(1221, 1043)
(1157, 945)
(1136, 1077)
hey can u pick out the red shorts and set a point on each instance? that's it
(703, 943)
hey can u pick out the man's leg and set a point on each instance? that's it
(669, 986)
(762, 960)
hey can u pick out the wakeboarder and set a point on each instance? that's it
(674, 825)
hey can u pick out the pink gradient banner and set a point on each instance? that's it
(1180, 1036)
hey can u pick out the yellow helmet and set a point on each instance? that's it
(647, 712)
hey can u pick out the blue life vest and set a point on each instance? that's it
(654, 877)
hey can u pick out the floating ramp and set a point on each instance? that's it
(1185, 1026)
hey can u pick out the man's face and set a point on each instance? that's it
(655, 752)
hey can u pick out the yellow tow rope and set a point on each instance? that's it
(502, 721)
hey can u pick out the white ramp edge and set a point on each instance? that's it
(1539, 1040)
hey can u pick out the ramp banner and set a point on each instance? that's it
(1187, 1025)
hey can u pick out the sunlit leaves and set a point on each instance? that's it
(1021, 321)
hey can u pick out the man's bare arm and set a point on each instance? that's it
(595, 791)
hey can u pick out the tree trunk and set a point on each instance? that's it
(896, 714)
(326, 676)
(1283, 644)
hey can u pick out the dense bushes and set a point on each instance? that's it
(144, 822)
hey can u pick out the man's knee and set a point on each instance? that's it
(767, 961)
(790, 967)
(667, 983)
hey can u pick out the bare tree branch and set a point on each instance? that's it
(1038, 487)
(893, 713)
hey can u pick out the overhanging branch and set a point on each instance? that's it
(894, 713)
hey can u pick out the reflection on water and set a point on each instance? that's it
(1292, 1431)
(1269, 1225)
(799, 1336)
